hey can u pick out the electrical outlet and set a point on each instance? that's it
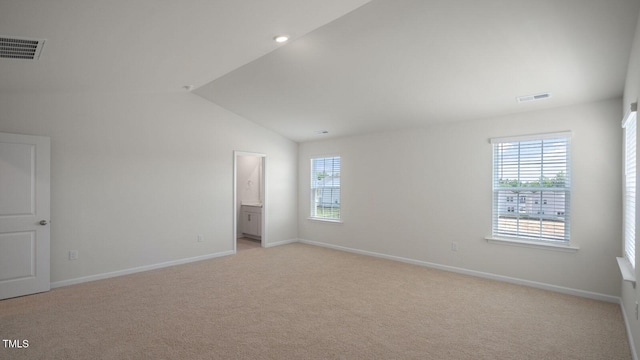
(454, 246)
(200, 238)
(73, 254)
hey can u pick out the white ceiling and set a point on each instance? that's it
(353, 66)
(399, 64)
(149, 45)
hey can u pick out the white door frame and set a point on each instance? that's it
(263, 189)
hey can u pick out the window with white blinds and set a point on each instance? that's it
(325, 188)
(629, 125)
(532, 187)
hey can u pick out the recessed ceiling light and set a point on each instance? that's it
(281, 38)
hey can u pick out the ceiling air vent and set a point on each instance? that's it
(20, 48)
(533, 97)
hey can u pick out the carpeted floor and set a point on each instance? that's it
(303, 302)
(247, 244)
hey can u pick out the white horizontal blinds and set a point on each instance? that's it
(532, 187)
(630, 188)
(325, 188)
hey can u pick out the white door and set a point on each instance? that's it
(24, 215)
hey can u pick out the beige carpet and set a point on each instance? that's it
(247, 244)
(303, 302)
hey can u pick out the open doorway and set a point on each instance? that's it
(249, 200)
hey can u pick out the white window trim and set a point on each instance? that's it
(532, 244)
(569, 246)
(627, 268)
(631, 115)
(544, 136)
(627, 271)
(335, 221)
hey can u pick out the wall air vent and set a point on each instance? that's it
(20, 48)
(533, 97)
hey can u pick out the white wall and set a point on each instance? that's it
(632, 94)
(135, 177)
(412, 193)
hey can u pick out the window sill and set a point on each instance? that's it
(627, 271)
(532, 244)
(334, 221)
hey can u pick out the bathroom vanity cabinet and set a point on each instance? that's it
(251, 221)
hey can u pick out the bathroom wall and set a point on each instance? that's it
(248, 183)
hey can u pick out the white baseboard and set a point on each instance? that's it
(534, 284)
(627, 324)
(560, 289)
(137, 269)
(278, 243)
(154, 266)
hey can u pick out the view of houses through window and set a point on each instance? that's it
(325, 188)
(531, 187)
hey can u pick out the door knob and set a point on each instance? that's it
(43, 222)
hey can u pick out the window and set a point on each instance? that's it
(629, 125)
(536, 170)
(325, 188)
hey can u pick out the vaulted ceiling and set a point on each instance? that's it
(351, 66)
(149, 45)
